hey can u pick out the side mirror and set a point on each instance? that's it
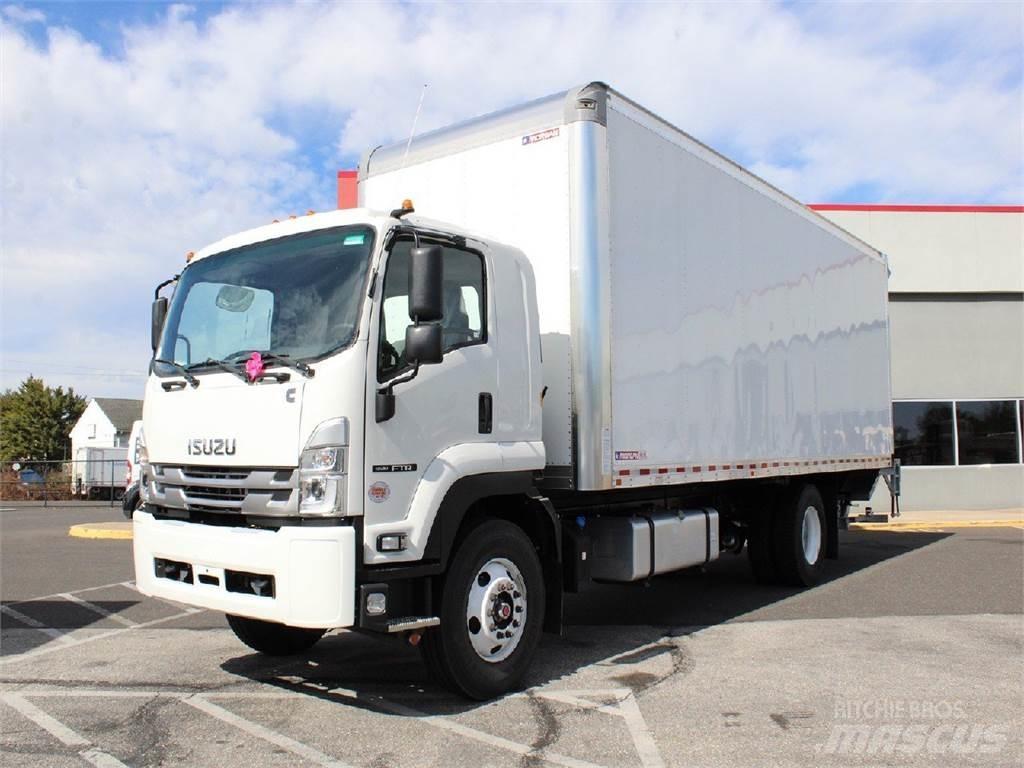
(159, 315)
(426, 276)
(423, 344)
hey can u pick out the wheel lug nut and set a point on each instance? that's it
(519, 609)
(515, 623)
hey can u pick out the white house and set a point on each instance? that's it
(105, 423)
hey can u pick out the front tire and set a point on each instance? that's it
(492, 609)
(273, 639)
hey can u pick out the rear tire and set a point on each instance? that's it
(273, 639)
(800, 528)
(492, 609)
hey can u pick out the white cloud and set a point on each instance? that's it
(20, 15)
(115, 164)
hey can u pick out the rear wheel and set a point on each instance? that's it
(800, 537)
(492, 607)
(271, 638)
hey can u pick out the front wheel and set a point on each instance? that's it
(492, 608)
(271, 638)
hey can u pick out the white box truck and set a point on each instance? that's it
(608, 353)
(98, 472)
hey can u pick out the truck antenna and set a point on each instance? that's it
(412, 132)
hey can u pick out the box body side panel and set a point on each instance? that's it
(743, 333)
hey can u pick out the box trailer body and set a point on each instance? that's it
(98, 469)
(697, 324)
(597, 350)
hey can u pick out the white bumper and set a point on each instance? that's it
(313, 569)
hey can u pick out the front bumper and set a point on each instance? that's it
(313, 569)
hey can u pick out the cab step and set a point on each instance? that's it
(412, 622)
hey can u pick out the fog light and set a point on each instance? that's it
(391, 542)
(313, 489)
(376, 603)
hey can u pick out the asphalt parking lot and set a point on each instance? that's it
(911, 653)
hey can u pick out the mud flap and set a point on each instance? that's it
(554, 597)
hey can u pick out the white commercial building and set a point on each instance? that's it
(956, 316)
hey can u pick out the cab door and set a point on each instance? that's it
(441, 406)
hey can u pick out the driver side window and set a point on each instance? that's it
(463, 295)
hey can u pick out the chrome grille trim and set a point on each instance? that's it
(230, 490)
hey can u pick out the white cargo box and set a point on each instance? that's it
(697, 324)
(95, 468)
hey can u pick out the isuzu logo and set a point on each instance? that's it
(214, 446)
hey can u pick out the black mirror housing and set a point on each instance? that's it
(426, 277)
(385, 406)
(423, 344)
(158, 317)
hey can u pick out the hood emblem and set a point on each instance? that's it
(215, 446)
(254, 366)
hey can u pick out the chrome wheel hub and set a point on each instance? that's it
(496, 610)
(810, 535)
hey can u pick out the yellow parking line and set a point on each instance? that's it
(928, 525)
(102, 530)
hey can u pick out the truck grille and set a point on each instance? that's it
(224, 494)
(227, 490)
(215, 473)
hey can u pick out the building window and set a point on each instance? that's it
(958, 432)
(92, 431)
(924, 433)
(987, 432)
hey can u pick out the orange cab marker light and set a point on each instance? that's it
(292, 216)
(310, 212)
(407, 205)
(189, 256)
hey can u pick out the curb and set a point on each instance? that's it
(937, 525)
(101, 530)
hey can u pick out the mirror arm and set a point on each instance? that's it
(405, 231)
(156, 291)
(388, 387)
(385, 400)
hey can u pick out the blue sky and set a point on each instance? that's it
(134, 132)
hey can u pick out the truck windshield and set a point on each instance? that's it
(296, 297)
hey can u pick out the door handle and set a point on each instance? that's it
(485, 413)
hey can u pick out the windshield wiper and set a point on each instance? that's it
(180, 369)
(284, 360)
(223, 366)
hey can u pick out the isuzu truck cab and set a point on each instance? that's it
(612, 354)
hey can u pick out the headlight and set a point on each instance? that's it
(141, 454)
(142, 465)
(322, 481)
(323, 459)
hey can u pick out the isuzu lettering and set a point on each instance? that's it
(587, 347)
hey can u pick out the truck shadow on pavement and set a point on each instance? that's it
(40, 622)
(614, 626)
